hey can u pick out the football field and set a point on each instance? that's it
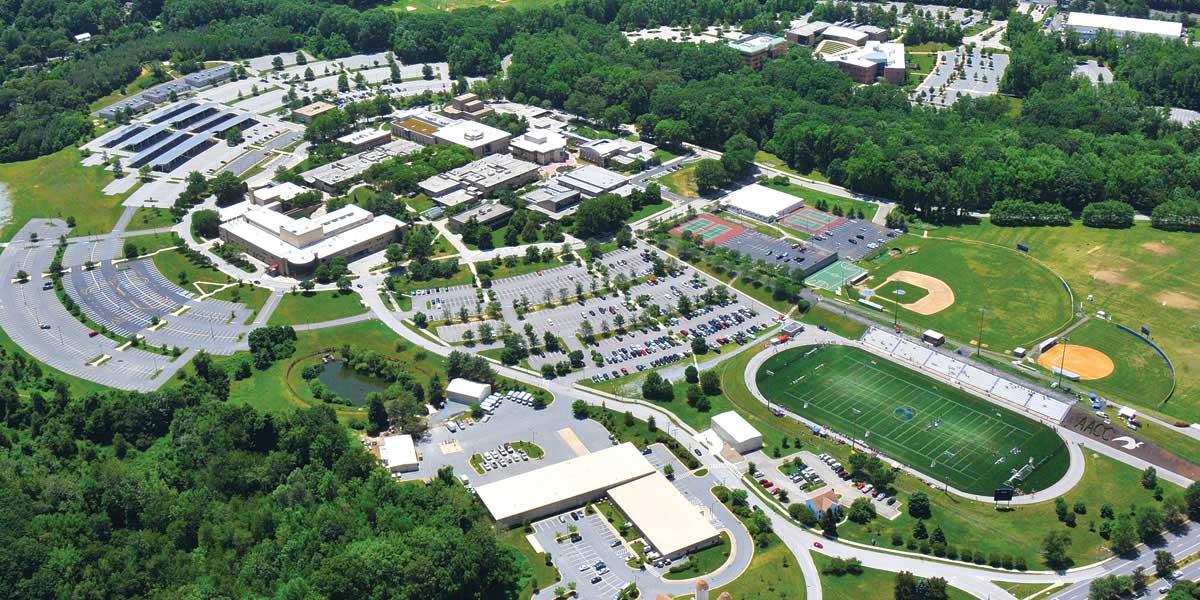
(931, 426)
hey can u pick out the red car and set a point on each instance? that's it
(767, 483)
(817, 545)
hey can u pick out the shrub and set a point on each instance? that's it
(1108, 214)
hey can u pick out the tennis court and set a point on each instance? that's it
(931, 426)
(709, 229)
(833, 277)
(811, 221)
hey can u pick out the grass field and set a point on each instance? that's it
(176, 267)
(315, 307)
(252, 296)
(1131, 273)
(151, 242)
(911, 293)
(941, 431)
(1025, 302)
(57, 185)
(1139, 371)
(871, 584)
(462, 277)
(702, 562)
(837, 323)
(535, 574)
(682, 182)
(766, 158)
(150, 218)
(967, 524)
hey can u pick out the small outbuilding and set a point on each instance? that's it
(399, 454)
(467, 391)
(737, 432)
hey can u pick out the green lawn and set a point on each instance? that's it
(57, 185)
(945, 432)
(595, 134)
(908, 293)
(316, 307)
(535, 574)
(1025, 302)
(929, 47)
(150, 218)
(871, 584)
(462, 277)
(522, 268)
(533, 450)
(811, 197)
(143, 82)
(835, 322)
(681, 182)
(280, 389)
(1139, 371)
(702, 562)
(772, 575)
(664, 155)
(1140, 276)
(967, 524)
(648, 210)
(151, 242)
(252, 296)
(1023, 590)
(176, 267)
(924, 63)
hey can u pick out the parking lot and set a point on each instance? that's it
(854, 239)
(126, 297)
(959, 73)
(533, 286)
(437, 302)
(757, 246)
(593, 562)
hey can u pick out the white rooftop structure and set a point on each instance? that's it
(277, 192)
(467, 391)
(280, 240)
(761, 202)
(888, 54)
(398, 453)
(592, 181)
(470, 134)
(671, 523)
(1087, 24)
(853, 36)
(365, 137)
(737, 432)
(539, 141)
(479, 178)
(330, 176)
(563, 485)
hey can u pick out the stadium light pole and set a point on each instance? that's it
(979, 338)
(1062, 362)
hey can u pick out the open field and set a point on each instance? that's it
(175, 266)
(535, 574)
(151, 242)
(315, 307)
(253, 296)
(682, 182)
(967, 524)
(56, 185)
(835, 322)
(772, 575)
(770, 160)
(1140, 276)
(702, 562)
(942, 431)
(145, 217)
(1024, 301)
(462, 277)
(871, 584)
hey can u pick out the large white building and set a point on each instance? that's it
(761, 202)
(480, 139)
(399, 454)
(1088, 25)
(737, 432)
(295, 247)
(540, 146)
(672, 524)
(477, 179)
(466, 391)
(562, 486)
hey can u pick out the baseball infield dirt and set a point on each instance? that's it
(1086, 362)
(940, 295)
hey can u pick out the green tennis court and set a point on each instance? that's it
(809, 220)
(931, 426)
(833, 277)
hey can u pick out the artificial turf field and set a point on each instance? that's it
(939, 430)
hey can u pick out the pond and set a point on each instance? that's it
(350, 384)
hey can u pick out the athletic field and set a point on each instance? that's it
(937, 429)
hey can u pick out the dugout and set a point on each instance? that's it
(1047, 344)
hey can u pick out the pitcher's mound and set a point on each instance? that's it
(1086, 362)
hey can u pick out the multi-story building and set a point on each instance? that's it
(758, 48)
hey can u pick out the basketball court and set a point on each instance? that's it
(833, 277)
(709, 230)
(811, 221)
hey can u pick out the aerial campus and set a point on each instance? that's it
(519, 299)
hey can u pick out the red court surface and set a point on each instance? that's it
(709, 230)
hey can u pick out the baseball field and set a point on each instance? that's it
(937, 429)
(1022, 301)
(1130, 368)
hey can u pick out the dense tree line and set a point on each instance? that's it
(1022, 213)
(177, 494)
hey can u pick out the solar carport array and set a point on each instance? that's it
(177, 133)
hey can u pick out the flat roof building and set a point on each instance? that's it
(553, 199)
(467, 391)
(162, 93)
(672, 524)
(335, 176)
(562, 486)
(737, 432)
(365, 139)
(487, 214)
(128, 107)
(592, 181)
(807, 34)
(845, 35)
(419, 125)
(276, 192)
(616, 151)
(295, 247)
(1088, 25)
(207, 77)
(756, 49)
(305, 114)
(477, 179)
(480, 139)
(467, 106)
(761, 202)
(872, 61)
(399, 454)
(541, 147)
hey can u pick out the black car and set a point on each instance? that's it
(597, 579)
